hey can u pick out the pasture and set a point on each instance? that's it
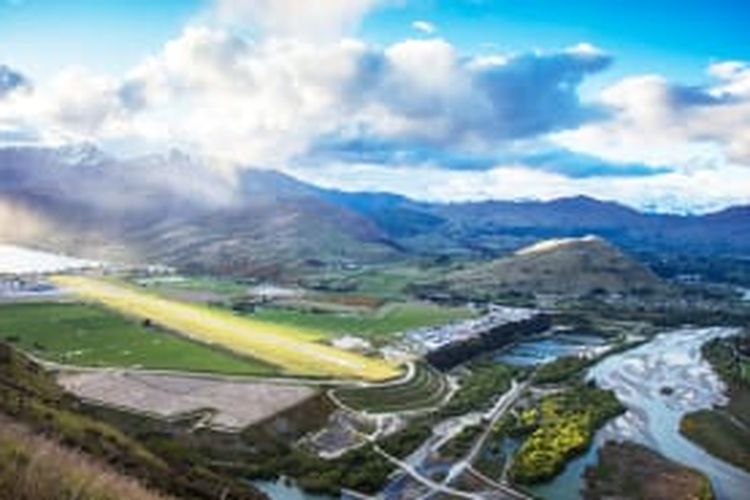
(87, 335)
(294, 350)
(381, 323)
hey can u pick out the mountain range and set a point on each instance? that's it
(174, 210)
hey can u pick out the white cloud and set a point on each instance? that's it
(424, 27)
(75, 105)
(697, 191)
(584, 48)
(658, 122)
(269, 101)
(305, 83)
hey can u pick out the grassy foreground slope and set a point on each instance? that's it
(292, 349)
(30, 396)
(88, 335)
(36, 468)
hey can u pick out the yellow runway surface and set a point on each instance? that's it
(292, 349)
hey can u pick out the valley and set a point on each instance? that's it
(500, 378)
(374, 250)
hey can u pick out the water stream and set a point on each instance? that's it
(671, 360)
(637, 376)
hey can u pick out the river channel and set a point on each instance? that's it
(638, 376)
(671, 360)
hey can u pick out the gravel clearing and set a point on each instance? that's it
(236, 404)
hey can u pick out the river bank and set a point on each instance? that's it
(658, 382)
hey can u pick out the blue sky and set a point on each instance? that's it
(644, 102)
(42, 36)
(676, 38)
(665, 35)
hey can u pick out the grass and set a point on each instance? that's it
(719, 435)
(480, 387)
(29, 395)
(460, 445)
(388, 282)
(561, 369)
(37, 468)
(425, 390)
(87, 335)
(292, 349)
(630, 470)
(494, 454)
(219, 286)
(723, 432)
(383, 322)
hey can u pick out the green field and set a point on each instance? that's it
(388, 282)
(295, 350)
(723, 432)
(87, 335)
(387, 320)
(719, 434)
(425, 390)
(220, 286)
(480, 387)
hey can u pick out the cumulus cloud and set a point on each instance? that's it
(74, 105)
(424, 27)
(268, 102)
(300, 92)
(657, 121)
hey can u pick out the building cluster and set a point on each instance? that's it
(15, 287)
(429, 339)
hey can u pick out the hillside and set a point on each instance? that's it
(572, 266)
(177, 212)
(180, 211)
(30, 396)
(36, 468)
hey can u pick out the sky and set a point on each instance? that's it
(638, 102)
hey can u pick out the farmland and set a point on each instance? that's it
(87, 335)
(292, 349)
(379, 324)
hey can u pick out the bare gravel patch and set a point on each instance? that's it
(234, 404)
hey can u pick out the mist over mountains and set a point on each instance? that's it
(175, 210)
